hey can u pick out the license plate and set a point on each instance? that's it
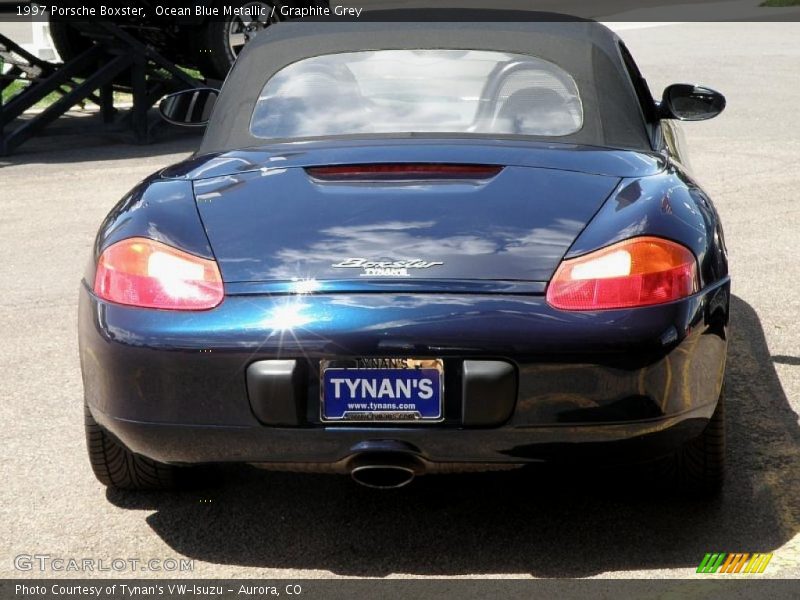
(385, 390)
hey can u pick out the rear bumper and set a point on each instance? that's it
(196, 444)
(617, 386)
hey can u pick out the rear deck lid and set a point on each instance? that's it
(419, 226)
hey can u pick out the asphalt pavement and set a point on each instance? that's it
(55, 192)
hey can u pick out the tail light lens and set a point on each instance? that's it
(637, 272)
(148, 274)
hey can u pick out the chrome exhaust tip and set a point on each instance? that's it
(383, 477)
(385, 470)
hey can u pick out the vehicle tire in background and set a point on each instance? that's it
(220, 40)
(68, 42)
(116, 466)
(698, 468)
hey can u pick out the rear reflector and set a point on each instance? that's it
(402, 172)
(637, 272)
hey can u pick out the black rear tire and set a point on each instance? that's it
(116, 466)
(698, 468)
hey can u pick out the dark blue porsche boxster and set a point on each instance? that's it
(414, 247)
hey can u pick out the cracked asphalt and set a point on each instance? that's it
(53, 195)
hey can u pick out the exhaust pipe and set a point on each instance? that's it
(385, 471)
(382, 477)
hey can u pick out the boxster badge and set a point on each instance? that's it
(385, 268)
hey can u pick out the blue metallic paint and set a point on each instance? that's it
(617, 373)
(668, 205)
(171, 385)
(158, 209)
(280, 224)
(414, 149)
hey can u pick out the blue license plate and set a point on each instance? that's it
(383, 394)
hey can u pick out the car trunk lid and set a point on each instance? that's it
(444, 224)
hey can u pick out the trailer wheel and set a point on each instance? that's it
(221, 41)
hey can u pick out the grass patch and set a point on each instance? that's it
(51, 98)
(119, 97)
(18, 85)
(780, 3)
(198, 75)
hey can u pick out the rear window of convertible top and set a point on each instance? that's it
(418, 91)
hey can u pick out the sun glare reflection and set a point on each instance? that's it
(305, 286)
(287, 317)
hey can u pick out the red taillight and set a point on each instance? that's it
(637, 272)
(400, 171)
(145, 273)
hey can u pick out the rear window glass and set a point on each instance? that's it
(418, 91)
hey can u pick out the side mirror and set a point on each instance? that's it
(190, 108)
(687, 102)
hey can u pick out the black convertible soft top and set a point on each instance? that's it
(587, 50)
